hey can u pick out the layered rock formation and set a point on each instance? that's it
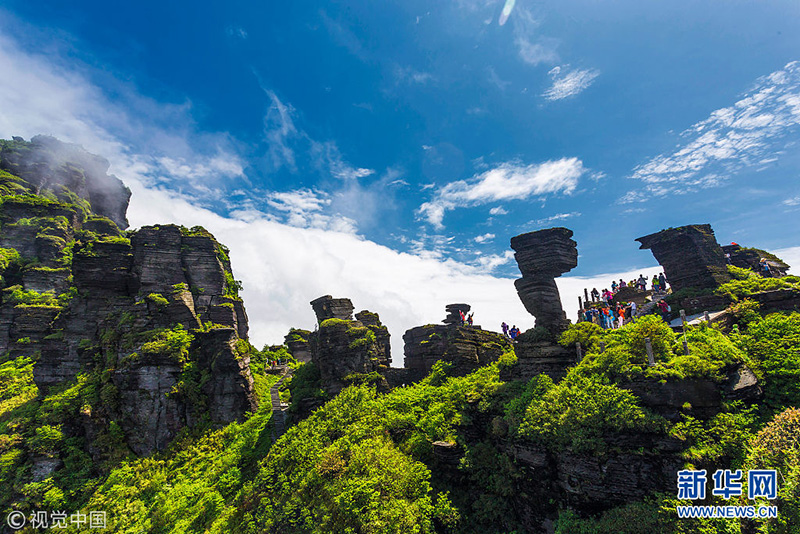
(327, 307)
(348, 351)
(543, 256)
(298, 344)
(466, 348)
(149, 321)
(749, 258)
(690, 256)
(454, 312)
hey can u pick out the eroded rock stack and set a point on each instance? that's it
(454, 312)
(690, 256)
(298, 343)
(543, 256)
(151, 320)
(348, 351)
(467, 348)
(327, 307)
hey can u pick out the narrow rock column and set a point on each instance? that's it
(543, 256)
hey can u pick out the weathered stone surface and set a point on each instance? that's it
(125, 296)
(230, 394)
(327, 307)
(382, 338)
(466, 348)
(447, 452)
(690, 256)
(298, 343)
(749, 258)
(698, 397)
(543, 256)
(454, 313)
(539, 357)
(343, 350)
(149, 418)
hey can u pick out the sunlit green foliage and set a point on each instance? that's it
(173, 343)
(578, 411)
(773, 344)
(747, 283)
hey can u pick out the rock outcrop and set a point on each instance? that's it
(749, 258)
(298, 344)
(327, 307)
(149, 320)
(543, 256)
(466, 348)
(690, 256)
(348, 351)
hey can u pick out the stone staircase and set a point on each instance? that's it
(650, 306)
(278, 414)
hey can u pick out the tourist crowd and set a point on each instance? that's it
(609, 312)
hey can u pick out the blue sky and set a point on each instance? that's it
(434, 129)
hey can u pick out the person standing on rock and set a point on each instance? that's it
(642, 283)
(469, 318)
(461, 316)
(662, 282)
(595, 294)
(504, 326)
(633, 312)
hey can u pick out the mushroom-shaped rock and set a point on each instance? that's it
(543, 256)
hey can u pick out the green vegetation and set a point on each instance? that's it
(745, 283)
(579, 411)
(173, 343)
(157, 298)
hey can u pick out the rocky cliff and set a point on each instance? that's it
(147, 325)
(690, 255)
(346, 350)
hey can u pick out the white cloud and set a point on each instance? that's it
(280, 132)
(410, 75)
(209, 167)
(538, 52)
(484, 238)
(302, 200)
(498, 210)
(508, 181)
(568, 83)
(791, 256)
(746, 134)
(555, 218)
(507, 9)
(236, 31)
(533, 48)
(792, 201)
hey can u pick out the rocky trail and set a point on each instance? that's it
(278, 415)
